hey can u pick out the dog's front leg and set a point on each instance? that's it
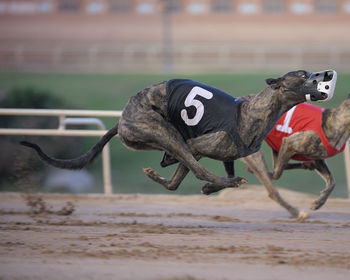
(324, 172)
(219, 146)
(229, 168)
(285, 154)
(257, 164)
(212, 188)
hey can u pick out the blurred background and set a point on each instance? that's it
(174, 35)
(95, 54)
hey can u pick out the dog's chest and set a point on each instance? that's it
(196, 109)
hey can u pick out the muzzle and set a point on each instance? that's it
(320, 86)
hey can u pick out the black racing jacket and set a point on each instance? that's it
(196, 109)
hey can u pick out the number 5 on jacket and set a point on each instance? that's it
(191, 101)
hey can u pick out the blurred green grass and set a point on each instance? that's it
(112, 91)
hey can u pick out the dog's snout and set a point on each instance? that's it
(320, 85)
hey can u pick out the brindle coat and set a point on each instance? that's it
(144, 125)
(336, 127)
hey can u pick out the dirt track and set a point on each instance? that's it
(239, 234)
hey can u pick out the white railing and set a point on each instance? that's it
(82, 117)
(87, 120)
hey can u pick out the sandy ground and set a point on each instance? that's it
(239, 234)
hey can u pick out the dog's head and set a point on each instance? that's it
(318, 86)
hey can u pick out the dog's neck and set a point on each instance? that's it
(260, 112)
(336, 124)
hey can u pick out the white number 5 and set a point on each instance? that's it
(190, 101)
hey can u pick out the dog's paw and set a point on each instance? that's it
(241, 180)
(151, 172)
(317, 204)
(302, 216)
(237, 181)
(209, 188)
(274, 176)
(205, 191)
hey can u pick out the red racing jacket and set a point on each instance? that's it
(301, 117)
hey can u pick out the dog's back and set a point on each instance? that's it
(151, 98)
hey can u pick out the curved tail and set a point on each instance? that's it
(79, 162)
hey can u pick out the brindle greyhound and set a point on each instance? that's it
(146, 124)
(336, 127)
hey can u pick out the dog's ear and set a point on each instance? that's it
(348, 96)
(274, 83)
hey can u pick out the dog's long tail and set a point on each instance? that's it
(79, 162)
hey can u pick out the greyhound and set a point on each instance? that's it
(309, 140)
(189, 120)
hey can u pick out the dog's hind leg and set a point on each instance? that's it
(189, 162)
(324, 172)
(308, 165)
(172, 184)
(306, 143)
(322, 169)
(174, 145)
(201, 173)
(257, 164)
